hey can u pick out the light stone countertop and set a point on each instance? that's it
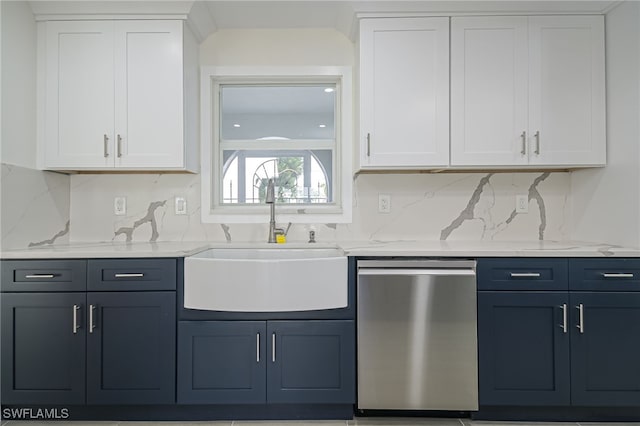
(467, 249)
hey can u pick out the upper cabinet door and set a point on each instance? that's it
(404, 92)
(149, 94)
(567, 90)
(489, 72)
(79, 105)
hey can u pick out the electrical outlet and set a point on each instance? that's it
(120, 206)
(522, 204)
(384, 203)
(181, 205)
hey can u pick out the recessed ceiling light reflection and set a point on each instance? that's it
(322, 126)
(329, 90)
(236, 125)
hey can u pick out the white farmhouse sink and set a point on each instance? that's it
(266, 279)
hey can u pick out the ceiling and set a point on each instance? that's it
(210, 16)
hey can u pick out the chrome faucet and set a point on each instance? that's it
(271, 200)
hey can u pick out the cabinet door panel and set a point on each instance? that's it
(311, 362)
(43, 360)
(523, 352)
(404, 92)
(566, 92)
(79, 94)
(489, 72)
(149, 94)
(604, 358)
(221, 362)
(131, 349)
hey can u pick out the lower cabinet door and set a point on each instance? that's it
(523, 348)
(222, 362)
(605, 349)
(43, 348)
(311, 362)
(131, 345)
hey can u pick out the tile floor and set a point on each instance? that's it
(362, 421)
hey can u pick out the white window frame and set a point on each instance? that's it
(212, 211)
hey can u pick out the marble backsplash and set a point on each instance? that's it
(35, 208)
(445, 206)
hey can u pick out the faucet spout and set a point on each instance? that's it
(271, 197)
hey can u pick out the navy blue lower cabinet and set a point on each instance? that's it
(43, 348)
(266, 362)
(311, 362)
(131, 347)
(222, 362)
(523, 348)
(605, 349)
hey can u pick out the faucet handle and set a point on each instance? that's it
(281, 236)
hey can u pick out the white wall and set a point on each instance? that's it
(264, 47)
(18, 84)
(606, 202)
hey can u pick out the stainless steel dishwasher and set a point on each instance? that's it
(417, 342)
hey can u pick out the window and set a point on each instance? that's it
(292, 125)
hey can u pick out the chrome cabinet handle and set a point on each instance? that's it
(523, 136)
(368, 144)
(76, 308)
(38, 276)
(106, 145)
(119, 146)
(91, 324)
(273, 347)
(135, 275)
(525, 274)
(617, 275)
(564, 318)
(258, 347)
(580, 325)
(537, 136)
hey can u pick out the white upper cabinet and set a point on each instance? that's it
(79, 94)
(489, 68)
(527, 91)
(404, 93)
(567, 90)
(115, 94)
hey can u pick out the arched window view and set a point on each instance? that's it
(284, 132)
(299, 178)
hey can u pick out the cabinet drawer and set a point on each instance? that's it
(604, 274)
(131, 274)
(522, 274)
(44, 275)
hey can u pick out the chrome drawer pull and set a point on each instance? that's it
(91, 324)
(580, 325)
(106, 145)
(76, 308)
(36, 276)
(525, 274)
(617, 275)
(138, 275)
(258, 347)
(273, 347)
(119, 146)
(564, 318)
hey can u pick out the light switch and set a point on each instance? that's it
(120, 206)
(181, 205)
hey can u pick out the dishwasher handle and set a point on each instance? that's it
(422, 271)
